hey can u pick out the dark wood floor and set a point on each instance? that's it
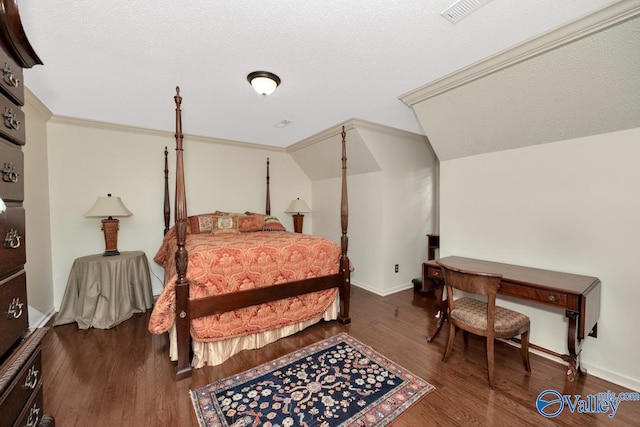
(123, 376)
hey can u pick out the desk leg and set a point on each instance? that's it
(441, 313)
(573, 358)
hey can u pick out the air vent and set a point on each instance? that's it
(283, 123)
(461, 9)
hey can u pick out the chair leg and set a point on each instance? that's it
(490, 346)
(452, 335)
(465, 335)
(524, 350)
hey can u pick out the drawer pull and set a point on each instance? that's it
(31, 381)
(552, 298)
(9, 78)
(10, 120)
(15, 309)
(12, 239)
(9, 173)
(34, 416)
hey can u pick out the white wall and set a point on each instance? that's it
(570, 206)
(36, 203)
(391, 209)
(87, 160)
(408, 186)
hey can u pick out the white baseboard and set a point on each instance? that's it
(39, 320)
(386, 292)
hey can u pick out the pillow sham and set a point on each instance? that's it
(225, 224)
(271, 223)
(200, 224)
(249, 223)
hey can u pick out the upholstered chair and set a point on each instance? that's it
(475, 316)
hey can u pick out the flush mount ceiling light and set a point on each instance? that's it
(263, 82)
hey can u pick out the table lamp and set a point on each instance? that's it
(109, 207)
(297, 207)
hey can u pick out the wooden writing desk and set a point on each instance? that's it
(578, 295)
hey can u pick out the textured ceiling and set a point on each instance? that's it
(119, 61)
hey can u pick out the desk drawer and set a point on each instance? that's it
(434, 273)
(20, 390)
(12, 126)
(556, 299)
(14, 318)
(11, 172)
(12, 244)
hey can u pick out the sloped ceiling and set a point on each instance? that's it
(118, 61)
(319, 155)
(588, 86)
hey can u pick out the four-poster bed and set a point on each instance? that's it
(238, 295)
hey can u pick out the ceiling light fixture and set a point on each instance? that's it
(263, 82)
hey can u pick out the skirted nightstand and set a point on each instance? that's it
(104, 291)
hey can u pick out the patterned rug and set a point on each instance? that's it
(336, 382)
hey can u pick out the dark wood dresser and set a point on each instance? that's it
(21, 401)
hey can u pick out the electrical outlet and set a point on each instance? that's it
(397, 268)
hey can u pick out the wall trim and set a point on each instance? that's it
(73, 121)
(349, 124)
(599, 20)
(399, 288)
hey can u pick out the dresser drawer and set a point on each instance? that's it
(556, 299)
(11, 172)
(14, 317)
(11, 81)
(32, 413)
(22, 387)
(12, 126)
(12, 233)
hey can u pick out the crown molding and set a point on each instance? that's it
(603, 18)
(348, 125)
(95, 124)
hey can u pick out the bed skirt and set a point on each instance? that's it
(215, 353)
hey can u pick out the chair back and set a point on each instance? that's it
(472, 282)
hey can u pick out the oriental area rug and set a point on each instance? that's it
(335, 382)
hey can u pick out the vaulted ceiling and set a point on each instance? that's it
(119, 61)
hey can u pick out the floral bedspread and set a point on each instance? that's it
(225, 263)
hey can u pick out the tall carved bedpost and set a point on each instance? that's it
(345, 267)
(183, 369)
(167, 203)
(267, 208)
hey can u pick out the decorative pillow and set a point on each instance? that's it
(271, 223)
(225, 224)
(248, 223)
(200, 224)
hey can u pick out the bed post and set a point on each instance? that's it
(345, 267)
(183, 370)
(267, 209)
(167, 204)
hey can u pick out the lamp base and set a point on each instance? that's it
(110, 228)
(297, 222)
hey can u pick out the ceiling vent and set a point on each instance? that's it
(461, 9)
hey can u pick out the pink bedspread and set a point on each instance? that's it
(225, 263)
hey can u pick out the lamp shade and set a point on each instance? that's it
(108, 207)
(3, 207)
(298, 206)
(263, 82)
